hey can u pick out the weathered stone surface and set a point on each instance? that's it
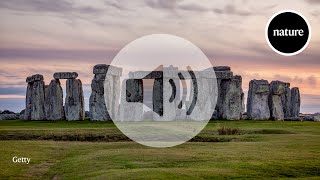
(244, 116)
(54, 101)
(277, 88)
(222, 68)
(286, 101)
(146, 74)
(293, 119)
(308, 118)
(65, 75)
(74, 102)
(28, 110)
(295, 102)
(97, 105)
(8, 116)
(221, 72)
(219, 68)
(104, 68)
(112, 94)
(276, 109)
(204, 105)
(33, 78)
(104, 98)
(231, 99)
(87, 114)
(37, 101)
(22, 114)
(130, 111)
(257, 101)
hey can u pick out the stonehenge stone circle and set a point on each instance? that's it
(277, 89)
(257, 101)
(295, 102)
(275, 101)
(74, 102)
(106, 79)
(65, 75)
(35, 102)
(54, 101)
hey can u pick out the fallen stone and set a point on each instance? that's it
(74, 102)
(293, 119)
(8, 117)
(309, 118)
(257, 101)
(65, 75)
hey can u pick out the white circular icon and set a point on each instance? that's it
(167, 91)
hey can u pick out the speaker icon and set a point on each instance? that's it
(134, 88)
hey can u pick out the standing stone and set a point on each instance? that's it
(38, 107)
(223, 75)
(232, 98)
(54, 101)
(295, 102)
(74, 103)
(104, 98)
(131, 108)
(97, 105)
(286, 101)
(35, 95)
(277, 89)
(28, 110)
(257, 101)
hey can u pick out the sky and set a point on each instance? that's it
(45, 36)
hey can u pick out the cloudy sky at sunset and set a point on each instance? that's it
(47, 36)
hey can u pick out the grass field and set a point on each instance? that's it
(95, 150)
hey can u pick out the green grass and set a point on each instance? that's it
(264, 149)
